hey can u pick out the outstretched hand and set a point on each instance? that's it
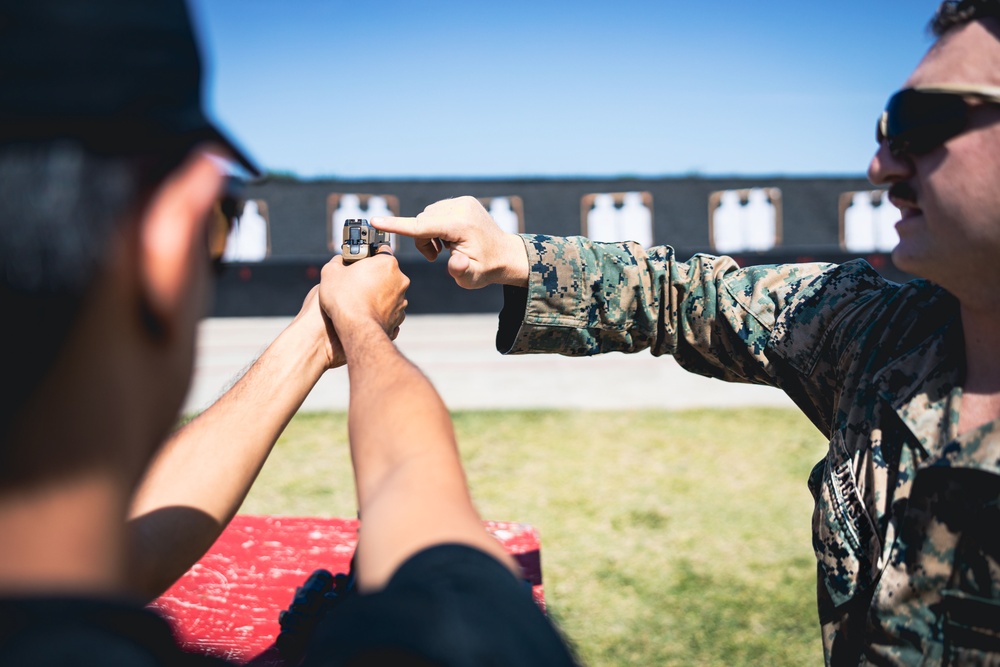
(481, 253)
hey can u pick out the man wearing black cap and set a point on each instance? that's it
(112, 206)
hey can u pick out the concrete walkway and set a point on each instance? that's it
(457, 353)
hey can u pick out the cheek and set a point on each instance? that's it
(961, 194)
(197, 294)
(202, 284)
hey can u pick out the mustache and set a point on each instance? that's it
(903, 191)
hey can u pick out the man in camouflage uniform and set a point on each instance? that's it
(903, 379)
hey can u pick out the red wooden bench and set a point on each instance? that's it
(228, 603)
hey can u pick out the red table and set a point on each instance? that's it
(228, 603)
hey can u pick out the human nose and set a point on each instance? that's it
(886, 167)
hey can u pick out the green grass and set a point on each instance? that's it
(668, 538)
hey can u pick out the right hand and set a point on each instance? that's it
(481, 253)
(366, 291)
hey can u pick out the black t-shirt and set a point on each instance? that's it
(449, 605)
(53, 632)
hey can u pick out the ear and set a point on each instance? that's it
(172, 241)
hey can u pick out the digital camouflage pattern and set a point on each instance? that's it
(906, 526)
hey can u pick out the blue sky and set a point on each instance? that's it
(413, 88)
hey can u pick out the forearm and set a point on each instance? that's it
(411, 487)
(394, 412)
(588, 298)
(202, 474)
(713, 317)
(585, 297)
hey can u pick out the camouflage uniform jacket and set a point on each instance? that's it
(906, 525)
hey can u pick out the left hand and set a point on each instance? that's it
(311, 315)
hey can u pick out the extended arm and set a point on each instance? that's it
(578, 297)
(411, 488)
(200, 477)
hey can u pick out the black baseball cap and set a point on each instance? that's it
(118, 76)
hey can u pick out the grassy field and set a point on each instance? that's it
(668, 538)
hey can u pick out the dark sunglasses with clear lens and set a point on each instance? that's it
(918, 120)
(225, 216)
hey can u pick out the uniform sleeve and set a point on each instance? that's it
(793, 326)
(588, 298)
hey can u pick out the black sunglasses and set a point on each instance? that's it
(918, 120)
(225, 216)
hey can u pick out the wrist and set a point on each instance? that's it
(515, 267)
(312, 345)
(358, 331)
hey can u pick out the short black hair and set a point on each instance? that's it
(99, 102)
(60, 207)
(953, 13)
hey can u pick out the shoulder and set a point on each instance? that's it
(853, 302)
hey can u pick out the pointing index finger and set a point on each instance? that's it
(397, 225)
(428, 237)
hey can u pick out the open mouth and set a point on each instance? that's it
(910, 216)
(906, 205)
